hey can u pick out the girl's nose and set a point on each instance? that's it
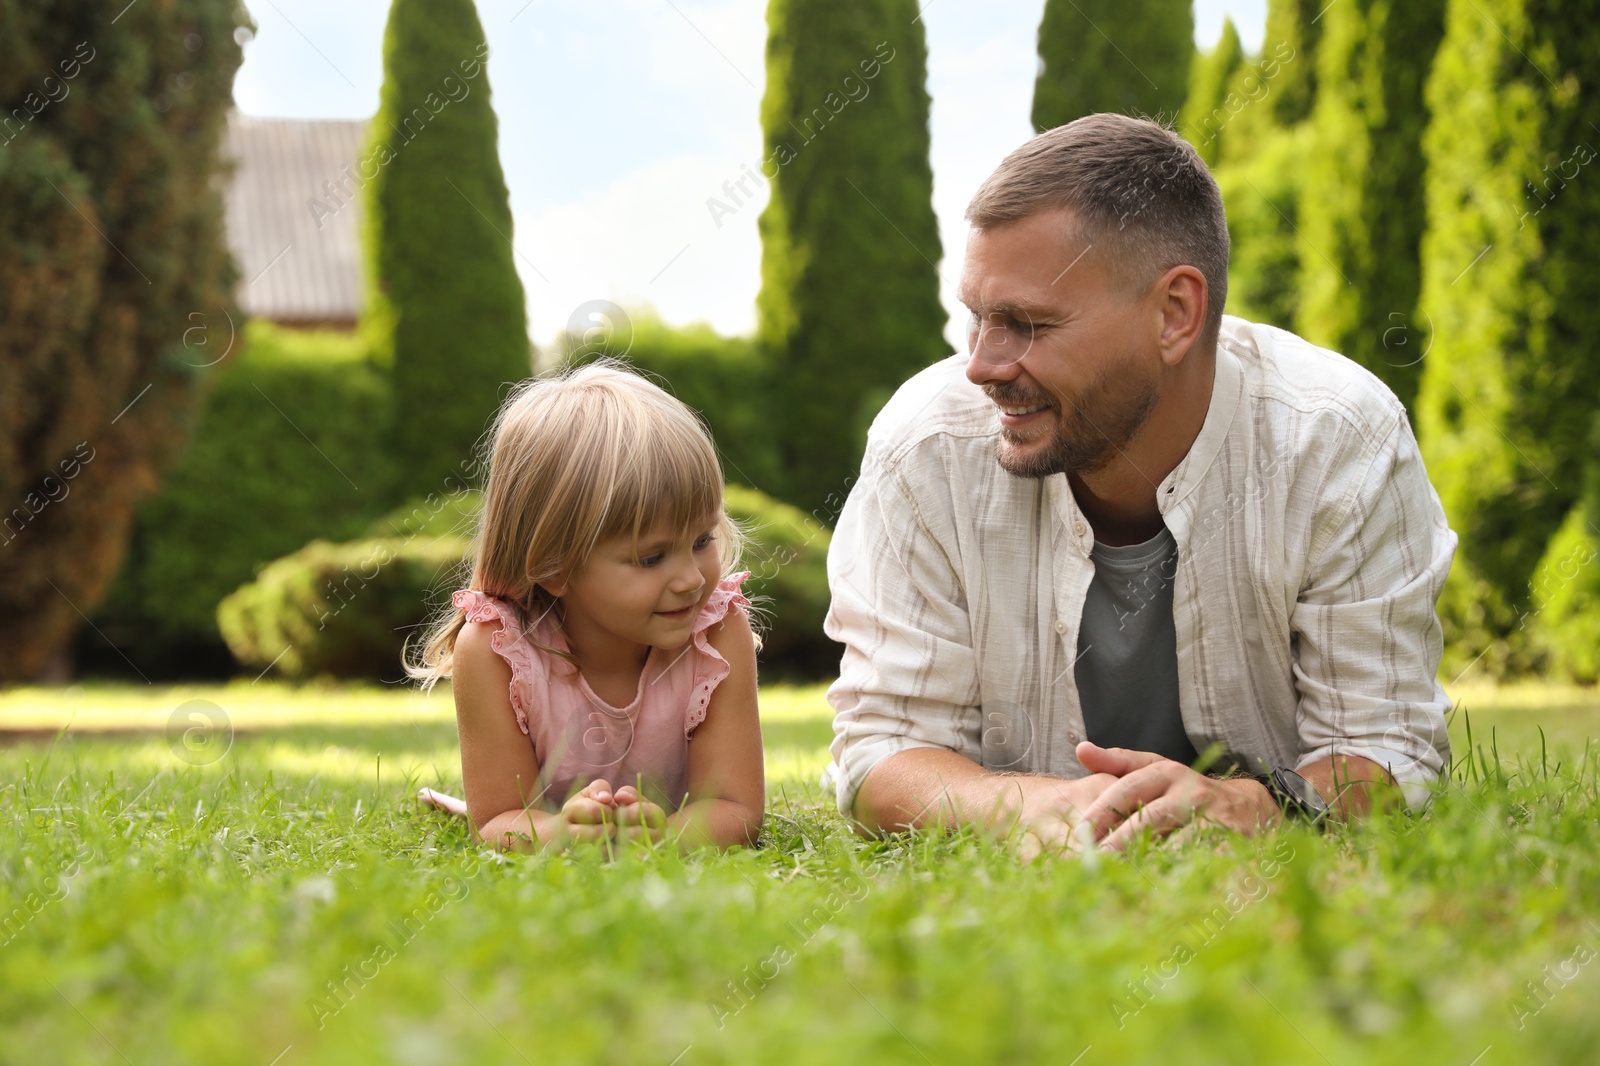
(688, 578)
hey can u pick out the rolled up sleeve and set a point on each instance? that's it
(908, 677)
(1367, 636)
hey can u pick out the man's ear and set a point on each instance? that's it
(1184, 300)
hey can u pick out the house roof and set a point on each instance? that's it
(293, 229)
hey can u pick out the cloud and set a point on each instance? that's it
(647, 238)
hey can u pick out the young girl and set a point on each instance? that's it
(603, 665)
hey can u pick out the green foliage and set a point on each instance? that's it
(1260, 165)
(1109, 55)
(114, 272)
(287, 447)
(787, 556)
(1566, 598)
(449, 514)
(346, 609)
(1262, 198)
(446, 305)
(1295, 23)
(342, 610)
(722, 378)
(1204, 113)
(849, 305)
(1509, 261)
(1362, 214)
(360, 928)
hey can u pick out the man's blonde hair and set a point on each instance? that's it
(590, 453)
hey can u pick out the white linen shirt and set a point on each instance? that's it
(1311, 551)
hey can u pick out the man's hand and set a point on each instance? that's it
(935, 787)
(1156, 793)
(1051, 819)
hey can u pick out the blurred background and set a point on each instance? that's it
(269, 269)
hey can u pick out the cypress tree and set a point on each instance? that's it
(1205, 113)
(1565, 608)
(1261, 168)
(1297, 25)
(1109, 55)
(1510, 263)
(446, 308)
(117, 286)
(1362, 210)
(1262, 194)
(849, 305)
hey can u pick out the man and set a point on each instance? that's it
(1128, 532)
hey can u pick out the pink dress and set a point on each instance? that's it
(577, 736)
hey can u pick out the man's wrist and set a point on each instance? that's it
(1270, 811)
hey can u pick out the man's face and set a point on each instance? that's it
(1057, 340)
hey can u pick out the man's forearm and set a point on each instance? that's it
(933, 786)
(1351, 784)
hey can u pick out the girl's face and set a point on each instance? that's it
(649, 596)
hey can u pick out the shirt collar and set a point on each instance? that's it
(1227, 389)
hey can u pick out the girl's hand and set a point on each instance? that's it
(599, 813)
(637, 818)
(591, 813)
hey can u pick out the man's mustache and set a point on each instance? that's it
(1012, 396)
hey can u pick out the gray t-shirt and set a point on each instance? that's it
(1127, 668)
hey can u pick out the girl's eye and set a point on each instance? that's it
(705, 542)
(650, 560)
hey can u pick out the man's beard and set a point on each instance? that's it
(1096, 428)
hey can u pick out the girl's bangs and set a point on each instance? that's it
(666, 482)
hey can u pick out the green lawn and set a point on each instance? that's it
(265, 891)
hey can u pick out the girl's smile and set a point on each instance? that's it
(614, 606)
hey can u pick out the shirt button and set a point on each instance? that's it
(1078, 529)
(1061, 627)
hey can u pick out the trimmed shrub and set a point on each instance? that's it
(346, 609)
(787, 557)
(1510, 386)
(1295, 23)
(115, 272)
(452, 514)
(723, 378)
(1110, 55)
(446, 306)
(1566, 599)
(1262, 197)
(339, 609)
(1362, 208)
(1204, 114)
(288, 446)
(849, 305)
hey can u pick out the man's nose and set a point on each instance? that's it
(995, 356)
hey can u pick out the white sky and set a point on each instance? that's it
(620, 118)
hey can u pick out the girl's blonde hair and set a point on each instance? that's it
(590, 453)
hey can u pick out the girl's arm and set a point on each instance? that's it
(727, 781)
(498, 767)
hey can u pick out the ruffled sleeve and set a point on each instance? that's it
(710, 666)
(508, 642)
